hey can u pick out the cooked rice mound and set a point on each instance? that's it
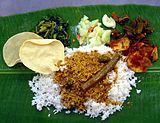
(63, 89)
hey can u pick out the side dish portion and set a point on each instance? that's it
(53, 27)
(91, 33)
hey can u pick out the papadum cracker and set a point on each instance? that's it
(42, 55)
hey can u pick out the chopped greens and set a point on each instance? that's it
(53, 27)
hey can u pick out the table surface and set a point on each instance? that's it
(10, 7)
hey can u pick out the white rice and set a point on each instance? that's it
(46, 92)
(101, 49)
(49, 115)
(138, 91)
(126, 79)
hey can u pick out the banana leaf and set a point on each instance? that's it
(15, 94)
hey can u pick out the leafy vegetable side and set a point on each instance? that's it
(53, 27)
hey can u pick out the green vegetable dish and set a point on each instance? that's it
(53, 27)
